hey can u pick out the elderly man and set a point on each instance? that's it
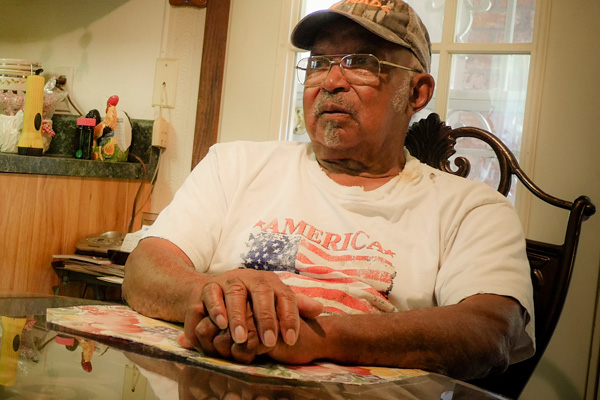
(346, 248)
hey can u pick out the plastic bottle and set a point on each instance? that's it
(85, 132)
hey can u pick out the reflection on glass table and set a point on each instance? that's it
(40, 363)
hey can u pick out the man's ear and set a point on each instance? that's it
(422, 86)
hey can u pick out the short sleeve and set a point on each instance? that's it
(484, 253)
(193, 219)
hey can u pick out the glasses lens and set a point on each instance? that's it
(360, 69)
(312, 70)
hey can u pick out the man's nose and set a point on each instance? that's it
(335, 79)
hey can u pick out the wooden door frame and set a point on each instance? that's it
(211, 76)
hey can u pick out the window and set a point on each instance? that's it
(481, 61)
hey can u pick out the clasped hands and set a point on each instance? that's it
(244, 313)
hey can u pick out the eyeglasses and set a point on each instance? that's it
(358, 69)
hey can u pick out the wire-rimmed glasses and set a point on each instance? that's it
(358, 69)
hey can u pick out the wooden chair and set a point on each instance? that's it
(432, 142)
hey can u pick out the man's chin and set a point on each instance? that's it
(335, 136)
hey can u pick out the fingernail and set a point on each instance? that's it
(290, 337)
(239, 335)
(269, 338)
(221, 322)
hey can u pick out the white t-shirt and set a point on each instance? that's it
(425, 238)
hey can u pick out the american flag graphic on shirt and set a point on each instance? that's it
(343, 282)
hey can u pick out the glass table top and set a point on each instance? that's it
(37, 362)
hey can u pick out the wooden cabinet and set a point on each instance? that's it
(42, 215)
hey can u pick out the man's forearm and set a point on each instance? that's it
(159, 280)
(465, 341)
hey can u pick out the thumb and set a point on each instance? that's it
(184, 342)
(308, 307)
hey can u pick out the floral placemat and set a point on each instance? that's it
(122, 324)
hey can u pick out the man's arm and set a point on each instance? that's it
(160, 280)
(468, 340)
(471, 339)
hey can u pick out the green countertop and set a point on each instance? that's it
(60, 160)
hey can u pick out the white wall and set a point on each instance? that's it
(184, 35)
(111, 47)
(250, 70)
(258, 56)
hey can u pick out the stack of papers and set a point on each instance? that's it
(101, 267)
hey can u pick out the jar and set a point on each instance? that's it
(85, 133)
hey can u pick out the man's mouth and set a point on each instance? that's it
(332, 109)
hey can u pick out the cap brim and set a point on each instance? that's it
(305, 32)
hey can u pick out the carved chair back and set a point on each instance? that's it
(432, 142)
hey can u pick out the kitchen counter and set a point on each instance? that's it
(59, 159)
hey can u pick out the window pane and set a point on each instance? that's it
(432, 15)
(500, 21)
(488, 91)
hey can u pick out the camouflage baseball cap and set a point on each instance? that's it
(392, 20)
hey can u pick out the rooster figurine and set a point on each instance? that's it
(109, 123)
(104, 132)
